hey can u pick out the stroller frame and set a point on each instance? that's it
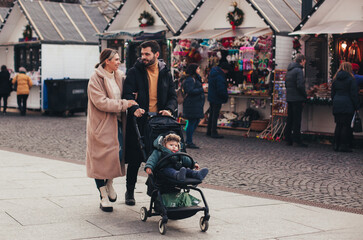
(155, 183)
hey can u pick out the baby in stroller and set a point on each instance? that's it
(176, 168)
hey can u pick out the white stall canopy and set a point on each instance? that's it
(333, 17)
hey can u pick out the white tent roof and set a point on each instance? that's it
(132, 31)
(336, 27)
(333, 17)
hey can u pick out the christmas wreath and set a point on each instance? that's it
(235, 15)
(28, 33)
(146, 19)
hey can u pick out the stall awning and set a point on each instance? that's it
(336, 27)
(223, 33)
(132, 32)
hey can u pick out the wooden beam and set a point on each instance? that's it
(71, 20)
(51, 20)
(89, 19)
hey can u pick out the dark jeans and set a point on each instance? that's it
(213, 118)
(192, 125)
(5, 99)
(171, 172)
(343, 135)
(22, 103)
(293, 124)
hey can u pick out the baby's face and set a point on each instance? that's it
(172, 146)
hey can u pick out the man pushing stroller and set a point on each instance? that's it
(175, 168)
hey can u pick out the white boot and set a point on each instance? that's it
(112, 196)
(105, 204)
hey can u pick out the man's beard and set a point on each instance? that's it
(149, 63)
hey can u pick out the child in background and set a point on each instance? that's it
(176, 167)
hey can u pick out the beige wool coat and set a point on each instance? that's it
(102, 156)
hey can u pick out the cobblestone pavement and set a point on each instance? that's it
(315, 174)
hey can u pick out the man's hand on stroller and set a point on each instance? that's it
(149, 171)
(196, 166)
(139, 112)
(165, 112)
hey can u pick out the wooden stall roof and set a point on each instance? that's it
(64, 22)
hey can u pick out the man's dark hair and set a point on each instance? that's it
(154, 45)
(299, 58)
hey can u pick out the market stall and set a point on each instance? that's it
(153, 20)
(52, 41)
(250, 41)
(328, 38)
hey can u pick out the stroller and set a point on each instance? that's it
(159, 184)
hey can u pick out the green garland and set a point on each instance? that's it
(235, 18)
(28, 33)
(149, 19)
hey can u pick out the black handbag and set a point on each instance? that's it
(357, 123)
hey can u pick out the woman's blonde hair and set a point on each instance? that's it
(106, 53)
(345, 66)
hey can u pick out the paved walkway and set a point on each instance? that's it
(315, 176)
(44, 198)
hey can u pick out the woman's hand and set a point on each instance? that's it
(139, 112)
(131, 103)
(148, 171)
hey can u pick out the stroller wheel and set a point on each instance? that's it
(204, 224)
(143, 214)
(162, 227)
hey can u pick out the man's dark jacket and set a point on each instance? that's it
(137, 83)
(295, 83)
(217, 86)
(344, 93)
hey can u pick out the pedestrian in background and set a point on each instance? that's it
(5, 87)
(150, 83)
(358, 78)
(344, 93)
(105, 126)
(194, 101)
(295, 97)
(23, 83)
(217, 95)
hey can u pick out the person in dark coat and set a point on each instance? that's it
(150, 83)
(194, 101)
(344, 93)
(5, 87)
(295, 97)
(217, 95)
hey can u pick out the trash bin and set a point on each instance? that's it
(67, 96)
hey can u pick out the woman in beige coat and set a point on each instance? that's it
(105, 120)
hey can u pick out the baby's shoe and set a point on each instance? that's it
(202, 173)
(180, 176)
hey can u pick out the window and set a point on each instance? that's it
(27, 56)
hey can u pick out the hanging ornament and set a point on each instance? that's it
(146, 19)
(235, 15)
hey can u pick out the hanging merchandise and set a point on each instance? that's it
(354, 54)
(146, 19)
(235, 15)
